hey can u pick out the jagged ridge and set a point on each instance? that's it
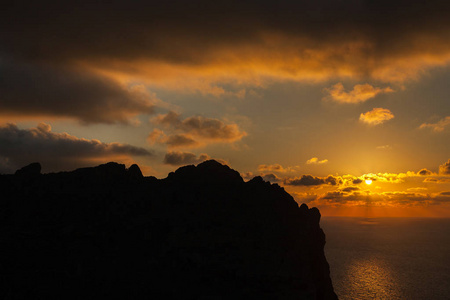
(202, 232)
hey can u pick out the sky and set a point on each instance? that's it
(345, 104)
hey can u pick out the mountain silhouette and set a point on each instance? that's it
(108, 232)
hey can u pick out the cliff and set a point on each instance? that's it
(200, 233)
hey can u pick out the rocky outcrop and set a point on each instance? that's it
(134, 172)
(33, 169)
(200, 233)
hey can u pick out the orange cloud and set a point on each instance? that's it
(193, 131)
(424, 172)
(276, 168)
(376, 116)
(173, 140)
(250, 47)
(360, 93)
(390, 193)
(315, 160)
(436, 180)
(438, 126)
(386, 199)
(177, 158)
(445, 168)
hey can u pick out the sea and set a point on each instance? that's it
(388, 258)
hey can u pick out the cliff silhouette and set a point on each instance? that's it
(108, 232)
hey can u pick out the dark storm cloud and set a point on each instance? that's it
(56, 151)
(177, 158)
(445, 168)
(357, 37)
(30, 90)
(309, 180)
(93, 28)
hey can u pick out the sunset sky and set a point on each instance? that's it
(321, 97)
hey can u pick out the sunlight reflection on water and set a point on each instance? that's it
(388, 258)
(370, 279)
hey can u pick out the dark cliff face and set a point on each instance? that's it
(201, 233)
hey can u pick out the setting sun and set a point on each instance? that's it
(368, 181)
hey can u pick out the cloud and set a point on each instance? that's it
(207, 128)
(29, 91)
(417, 189)
(247, 176)
(438, 126)
(193, 131)
(376, 116)
(445, 168)
(58, 151)
(315, 161)
(276, 168)
(273, 178)
(424, 172)
(436, 180)
(357, 181)
(384, 147)
(177, 158)
(383, 199)
(350, 189)
(288, 40)
(309, 180)
(388, 177)
(360, 93)
(173, 140)
(180, 140)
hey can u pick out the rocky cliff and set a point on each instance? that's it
(200, 233)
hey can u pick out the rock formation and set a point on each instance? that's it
(201, 233)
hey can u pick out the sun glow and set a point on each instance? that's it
(368, 181)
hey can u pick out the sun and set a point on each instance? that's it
(368, 181)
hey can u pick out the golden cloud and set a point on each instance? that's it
(356, 197)
(436, 180)
(315, 160)
(376, 116)
(360, 93)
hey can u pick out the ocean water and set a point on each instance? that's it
(388, 258)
